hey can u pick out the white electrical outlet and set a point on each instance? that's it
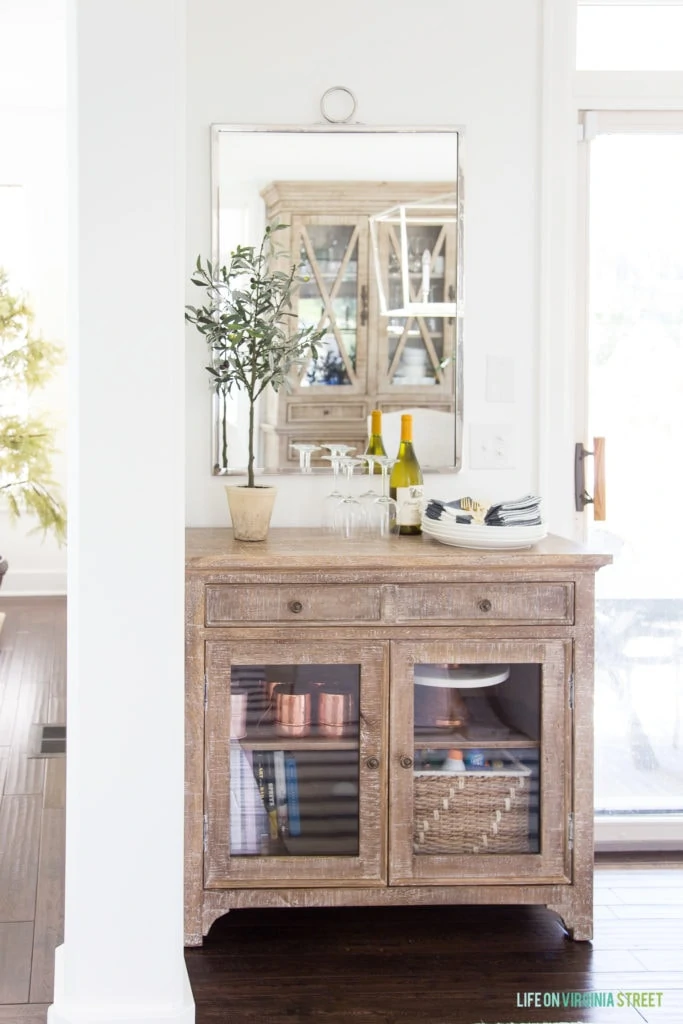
(492, 446)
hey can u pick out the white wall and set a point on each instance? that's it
(33, 154)
(474, 63)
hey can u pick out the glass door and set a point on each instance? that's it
(480, 758)
(635, 383)
(295, 772)
(417, 351)
(333, 254)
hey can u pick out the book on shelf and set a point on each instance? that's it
(264, 773)
(281, 793)
(292, 787)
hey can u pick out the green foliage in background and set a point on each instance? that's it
(26, 442)
(249, 324)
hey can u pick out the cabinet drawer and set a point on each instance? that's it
(227, 604)
(303, 411)
(484, 602)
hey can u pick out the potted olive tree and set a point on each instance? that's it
(27, 361)
(255, 340)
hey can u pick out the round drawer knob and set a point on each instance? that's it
(406, 762)
(372, 762)
(485, 605)
(295, 606)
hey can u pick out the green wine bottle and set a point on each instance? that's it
(375, 444)
(405, 484)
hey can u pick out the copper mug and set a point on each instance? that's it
(292, 713)
(335, 713)
(268, 700)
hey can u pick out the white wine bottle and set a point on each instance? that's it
(375, 444)
(405, 484)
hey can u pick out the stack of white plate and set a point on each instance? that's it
(472, 535)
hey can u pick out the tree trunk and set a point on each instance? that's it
(250, 465)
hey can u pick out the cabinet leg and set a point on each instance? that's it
(193, 940)
(209, 916)
(577, 923)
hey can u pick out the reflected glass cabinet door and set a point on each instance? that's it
(480, 755)
(418, 351)
(333, 297)
(295, 776)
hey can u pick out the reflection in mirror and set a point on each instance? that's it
(374, 218)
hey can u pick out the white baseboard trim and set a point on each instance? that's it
(33, 583)
(617, 833)
(61, 1012)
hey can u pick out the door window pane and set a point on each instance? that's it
(328, 300)
(636, 384)
(294, 760)
(627, 37)
(476, 765)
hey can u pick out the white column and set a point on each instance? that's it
(559, 390)
(122, 958)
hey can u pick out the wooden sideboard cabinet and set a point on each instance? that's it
(335, 690)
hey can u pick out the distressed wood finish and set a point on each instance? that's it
(222, 870)
(401, 600)
(549, 865)
(227, 605)
(194, 760)
(483, 603)
(313, 555)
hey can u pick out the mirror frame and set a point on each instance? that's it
(217, 131)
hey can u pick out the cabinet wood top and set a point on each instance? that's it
(293, 548)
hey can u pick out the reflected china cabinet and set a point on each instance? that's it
(365, 360)
(400, 723)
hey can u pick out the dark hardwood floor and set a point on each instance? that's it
(422, 965)
(446, 965)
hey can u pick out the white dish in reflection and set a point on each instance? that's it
(462, 676)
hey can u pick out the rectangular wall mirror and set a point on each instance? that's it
(375, 217)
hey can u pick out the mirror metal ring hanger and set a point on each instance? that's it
(338, 120)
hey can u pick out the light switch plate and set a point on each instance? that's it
(492, 446)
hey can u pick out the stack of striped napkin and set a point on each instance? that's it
(524, 511)
(447, 511)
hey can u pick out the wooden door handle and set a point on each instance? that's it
(599, 495)
(581, 496)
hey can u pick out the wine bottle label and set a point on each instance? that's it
(409, 501)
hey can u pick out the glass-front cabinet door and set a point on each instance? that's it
(417, 351)
(480, 758)
(334, 298)
(295, 763)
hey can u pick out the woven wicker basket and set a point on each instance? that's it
(472, 812)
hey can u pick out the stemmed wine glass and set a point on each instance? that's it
(331, 500)
(305, 451)
(384, 510)
(349, 519)
(371, 494)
